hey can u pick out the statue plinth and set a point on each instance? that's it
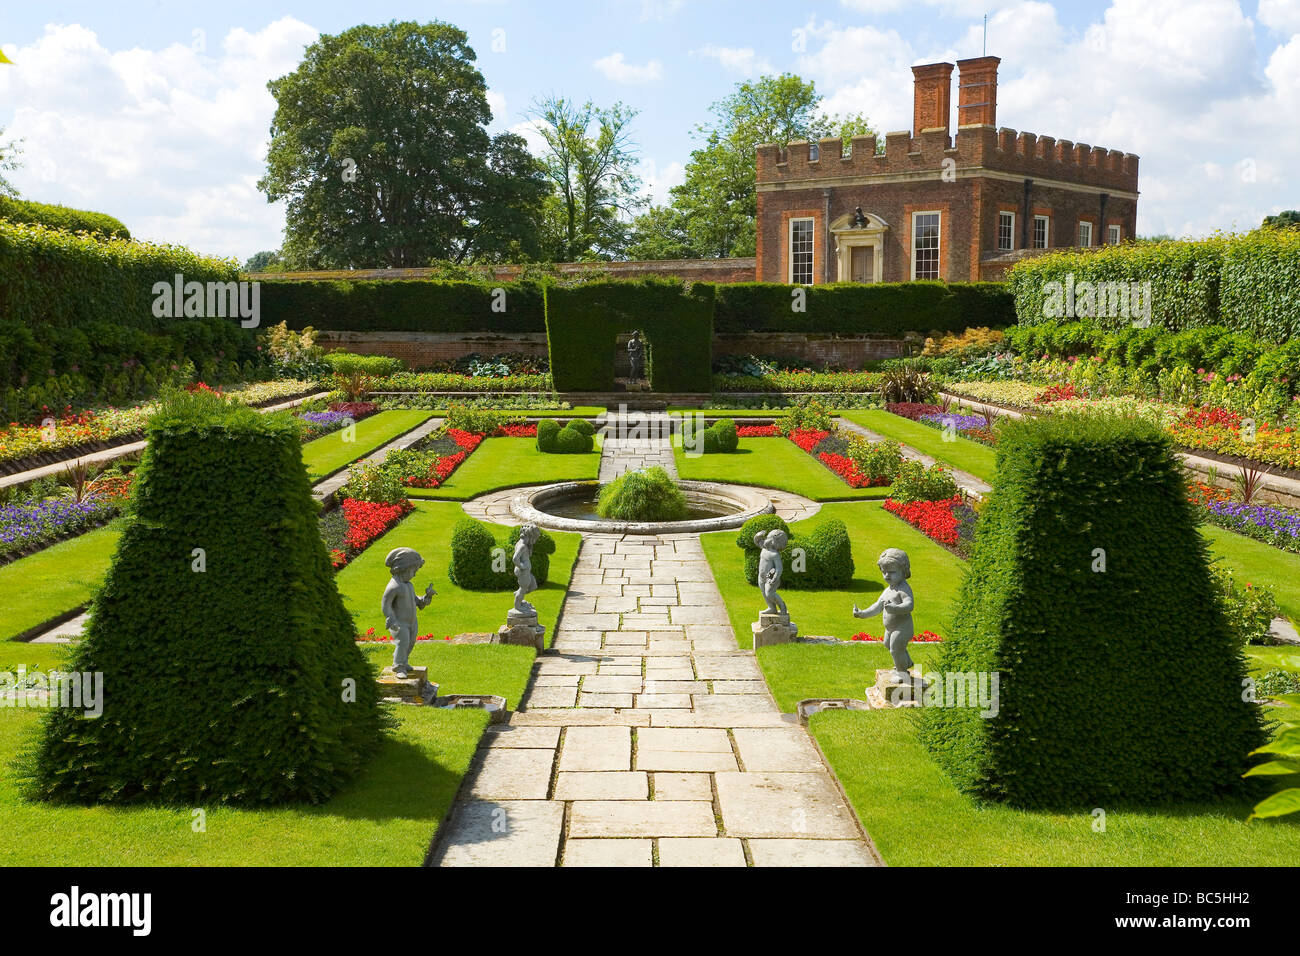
(521, 628)
(773, 628)
(411, 689)
(896, 689)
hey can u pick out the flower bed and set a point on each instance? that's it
(799, 381)
(370, 637)
(807, 438)
(950, 521)
(757, 431)
(363, 522)
(526, 430)
(453, 382)
(28, 527)
(1276, 526)
(438, 468)
(925, 637)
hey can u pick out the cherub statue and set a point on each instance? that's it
(895, 607)
(770, 567)
(635, 356)
(400, 604)
(523, 559)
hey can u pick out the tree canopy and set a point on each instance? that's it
(379, 144)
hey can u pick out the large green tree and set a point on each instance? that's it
(591, 162)
(380, 145)
(712, 213)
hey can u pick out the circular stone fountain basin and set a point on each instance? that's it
(571, 506)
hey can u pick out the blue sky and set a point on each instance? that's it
(157, 111)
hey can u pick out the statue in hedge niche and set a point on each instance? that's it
(400, 604)
(523, 559)
(895, 608)
(636, 356)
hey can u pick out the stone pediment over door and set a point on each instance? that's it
(859, 247)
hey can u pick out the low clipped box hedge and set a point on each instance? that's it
(720, 438)
(575, 437)
(375, 366)
(887, 308)
(63, 217)
(583, 323)
(1120, 682)
(230, 668)
(479, 562)
(827, 553)
(404, 305)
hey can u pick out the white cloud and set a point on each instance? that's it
(171, 141)
(615, 67)
(1280, 16)
(660, 9)
(743, 61)
(658, 182)
(497, 104)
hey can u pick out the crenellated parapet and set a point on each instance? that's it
(1003, 150)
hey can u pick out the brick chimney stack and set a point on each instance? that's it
(977, 91)
(931, 97)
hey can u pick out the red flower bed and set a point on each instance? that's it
(806, 438)
(526, 430)
(1057, 393)
(444, 465)
(367, 520)
(467, 440)
(912, 410)
(757, 431)
(934, 519)
(925, 637)
(370, 637)
(848, 471)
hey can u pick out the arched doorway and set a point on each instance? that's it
(859, 246)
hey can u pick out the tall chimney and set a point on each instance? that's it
(977, 91)
(931, 97)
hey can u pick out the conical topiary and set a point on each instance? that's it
(230, 668)
(1090, 594)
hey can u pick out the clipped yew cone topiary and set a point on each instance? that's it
(1090, 593)
(230, 672)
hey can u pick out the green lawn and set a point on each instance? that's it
(453, 611)
(917, 818)
(44, 585)
(386, 817)
(770, 463)
(960, 453)
(508, 463)
(329, 453)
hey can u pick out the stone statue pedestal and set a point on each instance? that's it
(773, 628)
(412, 689)
(521, 628)
(896, 689)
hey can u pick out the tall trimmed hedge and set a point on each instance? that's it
(1117, 686)
(62, 217)
(583, 324)
(889, 308)
(404, 305)
(1244, 283)
(52, 277)
(240, 682)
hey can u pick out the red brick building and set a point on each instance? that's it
(931, 207)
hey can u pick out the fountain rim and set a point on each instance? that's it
(753, 501)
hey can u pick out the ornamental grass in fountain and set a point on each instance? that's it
(649, 494)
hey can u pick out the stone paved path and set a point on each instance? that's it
(647, 737)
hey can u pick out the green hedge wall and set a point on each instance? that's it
(239, 682)
(583, 323)
(1247, 283)
(889, 308)
(1119, 683)
(62, 217)
(57, 278)
(403, 305)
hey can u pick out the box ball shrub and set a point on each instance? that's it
(1090, 594)
(721, 437)
(547, 430)
(827, 553)
(571, 439)
(231, 672)
(582, 425)
(649, 494)
(475, 567)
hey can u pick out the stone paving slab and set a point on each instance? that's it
(811, 853)
(786, 805)
(605, 785)
(651, 818)
(607, 853)
(597, 748)
(677, 851)
(683, 786)
(512, 774)
(502, 833)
